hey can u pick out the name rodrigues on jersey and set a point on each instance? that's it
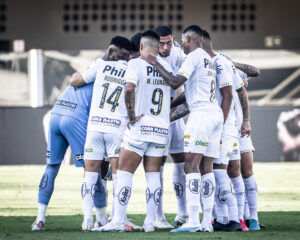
(151, 129)
(115, 80)
(65, 104)
(105, 120)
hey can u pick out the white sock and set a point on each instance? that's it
(179, 188)
(193, 186)
(123, 192)
(101, 216)
(246, 209)
(226, 193)
(87, 188)
(153, 195)
(160, 210)
(220, 207)
(239, 189)
(114, 195)
(208, 196)
(42, 208)
(252, 196)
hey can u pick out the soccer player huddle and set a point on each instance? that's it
(128, 107)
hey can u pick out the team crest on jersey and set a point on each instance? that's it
(207, 188)
(178, 188)
(156, 196)
(124, 195)
(201, 143)
(194, 185)
(43, 182)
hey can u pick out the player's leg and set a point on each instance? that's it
(56, 149)
(152, 164)
(234, 172)
(93, 154)
(251, 188)
(130, 157)
(178, 175)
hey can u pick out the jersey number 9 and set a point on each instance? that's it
(157, 99)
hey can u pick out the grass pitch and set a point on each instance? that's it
(279, 205)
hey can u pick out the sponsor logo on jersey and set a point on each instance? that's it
(194, 185)
(124, 195)
(48, 154)
(65, 104)
(207, 188)
(79, 157)
(117, 151)
(105, 120)
(178, 188)
(208, 63)
(187, 136)
(201, 143)
(163, 131)
(151, 71)
(88, 150)
(114, 71)
(228, 154)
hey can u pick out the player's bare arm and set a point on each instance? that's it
(246, 128)
(173, 81)
(130, 104)
(226, 93)
(77, 80)
(250, 70)
(179, 112)
(178, 100)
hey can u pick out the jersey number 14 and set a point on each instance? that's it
(112, 99)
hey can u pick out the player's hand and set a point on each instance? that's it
(131, 122)
(150, 58)
(246, 128)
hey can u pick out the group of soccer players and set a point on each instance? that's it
(129, 105)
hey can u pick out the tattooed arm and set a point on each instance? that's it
(130, 104)
(173, 81)
(179, 112)
(178, 100)
(250, 70)
(245, 128)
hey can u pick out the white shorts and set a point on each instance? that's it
(98, 144)
(246, 144)
(203, 133)
(227, 149)
(143, 148)
(176, 137)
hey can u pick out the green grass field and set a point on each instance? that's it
(279, 205)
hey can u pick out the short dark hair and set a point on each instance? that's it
(195, 29)
(136, 41)
(163, 31)
(206, 34)
(151, 34)
(121, 42)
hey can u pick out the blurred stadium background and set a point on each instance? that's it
(43, 42)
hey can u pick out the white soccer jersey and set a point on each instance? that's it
(152, 98)
(226, 76)
(89, 75)
(108, 112)
(200, 87)
(175, 59)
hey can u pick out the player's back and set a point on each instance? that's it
(152, 98)
(200, 71)
(75, 102)
(108, 111)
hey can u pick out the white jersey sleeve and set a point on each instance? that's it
(242, 75)
(237, 80)
(89, 75)
(224, 72)
(132, 76)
